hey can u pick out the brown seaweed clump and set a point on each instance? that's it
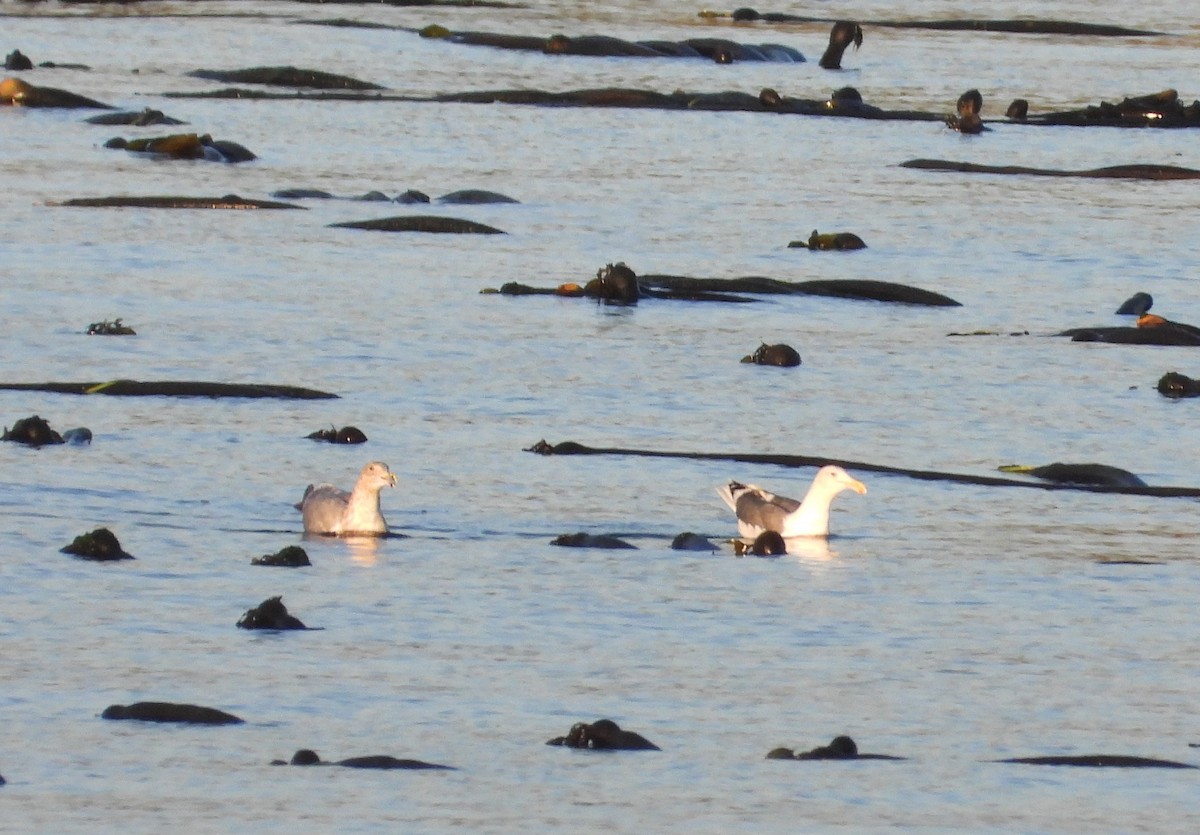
(784, 356)
(835, 241)
(270, 614)
(333, 435)
(107, 328)
(32, 431)
(293, 556)
(101, 545)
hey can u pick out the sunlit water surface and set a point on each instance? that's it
(953, 625)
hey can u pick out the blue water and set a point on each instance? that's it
(949, 624)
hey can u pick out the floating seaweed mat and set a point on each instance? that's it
(229, 201)
(1117, 172)
(1024, 27)
(174, 388)
(573, 448)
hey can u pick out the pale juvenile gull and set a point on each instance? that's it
(328, 510)
(759, 510)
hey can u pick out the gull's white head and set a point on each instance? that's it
(834, 479)
(377, 476)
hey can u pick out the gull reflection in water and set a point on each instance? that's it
(811, 548)
(364, 550)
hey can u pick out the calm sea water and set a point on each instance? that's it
(949, 624)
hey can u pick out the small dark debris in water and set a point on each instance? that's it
(293, 556)
(1130, 561)
(345, 435)
(32, 431)
(114, 328)
(270, 614)
(100, 545)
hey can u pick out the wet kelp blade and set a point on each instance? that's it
(573, 448)
(864, 289)
(1099, 761)
(248, 94)
(1118, 172)
(174, 388)
(288, 76)
(422, 223)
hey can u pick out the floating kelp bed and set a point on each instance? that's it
(720, 50)
(686, 288)
(1157, 110)
(456, 4)
(174, 388)
(573, 448)
(1112, 172)
(229, 201)
(1011, 26)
